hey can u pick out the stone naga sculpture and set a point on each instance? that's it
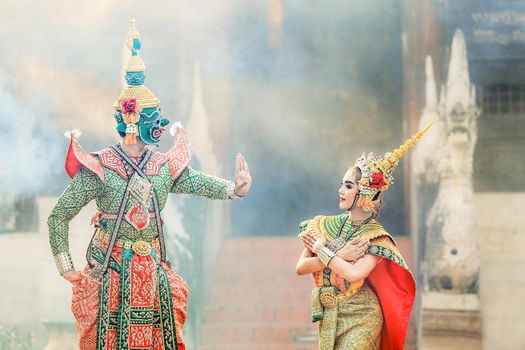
(451, 249)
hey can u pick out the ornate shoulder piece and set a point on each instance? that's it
(302, 226)
(373, 230)
(156, 162)
(76, 157)
(320, 226)
(179, 155)
(111, 160)
(310, 225)
(385, 246)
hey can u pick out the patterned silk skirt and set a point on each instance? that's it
(139, 304)
(358, 323)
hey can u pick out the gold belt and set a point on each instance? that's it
(330, 298)
(140, 247)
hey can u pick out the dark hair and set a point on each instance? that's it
(356, 171)
(358, 174)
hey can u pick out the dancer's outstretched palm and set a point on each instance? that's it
(243, 179)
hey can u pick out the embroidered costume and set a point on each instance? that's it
(132, 300)
(372, 313)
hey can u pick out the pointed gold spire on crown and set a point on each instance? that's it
(134, 73)
(133, 42)
(391, 159)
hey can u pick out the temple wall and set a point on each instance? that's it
(501, 224)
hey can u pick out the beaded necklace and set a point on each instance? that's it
(338, 243)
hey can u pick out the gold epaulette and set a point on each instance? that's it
(373, 230)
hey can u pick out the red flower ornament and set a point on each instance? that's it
(378, 180)
(128, 106)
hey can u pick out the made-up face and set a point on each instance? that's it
(348, 190)
(151, 124)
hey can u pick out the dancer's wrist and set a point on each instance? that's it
(64, 263)
(326, 255)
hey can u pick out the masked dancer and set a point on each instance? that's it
(127, 297)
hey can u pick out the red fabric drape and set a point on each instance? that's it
(72, 163)
(396, 290)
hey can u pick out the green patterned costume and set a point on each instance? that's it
(86, 186)
(129, 298)
(140, 303)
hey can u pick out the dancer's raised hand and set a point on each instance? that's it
(243, 179)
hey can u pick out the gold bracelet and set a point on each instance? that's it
(325, 255)
(230, 192)
(64, 263)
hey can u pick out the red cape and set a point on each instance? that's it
(396, 289)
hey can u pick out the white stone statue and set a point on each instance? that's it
(451, 249)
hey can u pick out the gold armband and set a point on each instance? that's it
(64, 263)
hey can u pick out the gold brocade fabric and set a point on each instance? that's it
(355, 323)
(359, 322)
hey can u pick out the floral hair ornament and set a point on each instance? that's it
(377, 173)
(131, 115)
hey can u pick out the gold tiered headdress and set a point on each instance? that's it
(136, 96)
(377, 172)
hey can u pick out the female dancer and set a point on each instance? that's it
(363, 301)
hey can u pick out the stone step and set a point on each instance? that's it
(278, 265)
(250, 346)
(264, 295)
(279, 275)
(258, 313)
(261, 245)
(255, 332)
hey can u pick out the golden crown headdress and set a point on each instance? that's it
(377, 172)
(136, 96)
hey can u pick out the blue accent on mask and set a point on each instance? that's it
(151, 125)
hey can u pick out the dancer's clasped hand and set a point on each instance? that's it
(78, 279)
(354, 250)
(312, 242)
